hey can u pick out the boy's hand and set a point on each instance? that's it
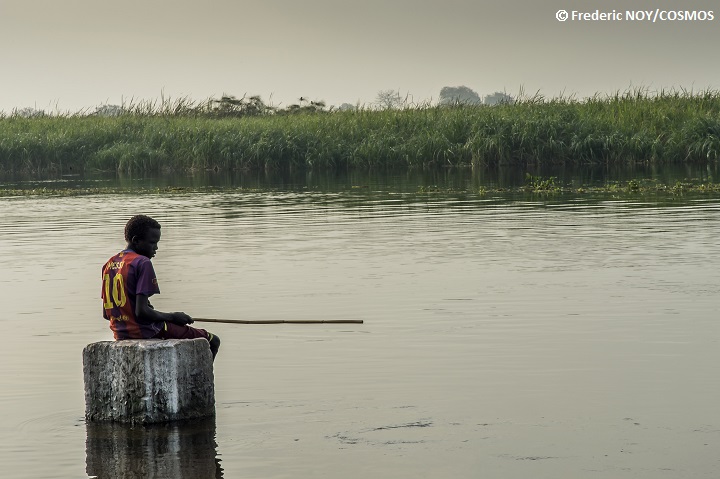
(182, 318)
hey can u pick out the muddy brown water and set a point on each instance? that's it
(501, 339)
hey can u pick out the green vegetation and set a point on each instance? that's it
(535, 187)
(245, 134)
(547, 187)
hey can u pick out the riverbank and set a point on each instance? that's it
(631, 128)
(535, 187)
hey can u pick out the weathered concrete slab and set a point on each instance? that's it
(148, 380)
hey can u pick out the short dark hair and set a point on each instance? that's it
(139, 226)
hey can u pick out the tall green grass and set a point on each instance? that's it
(625, 128)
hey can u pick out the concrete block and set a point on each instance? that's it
(148, 380)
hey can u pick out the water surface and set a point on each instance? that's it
(556, 338)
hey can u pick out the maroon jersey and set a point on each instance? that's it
(126, 275)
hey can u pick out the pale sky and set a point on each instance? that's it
(78, 54)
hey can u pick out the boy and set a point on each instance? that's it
(128, 282)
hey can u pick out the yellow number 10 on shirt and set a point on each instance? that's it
(118, 292)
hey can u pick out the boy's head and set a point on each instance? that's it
(142, 234)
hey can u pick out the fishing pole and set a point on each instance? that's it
(280, 321)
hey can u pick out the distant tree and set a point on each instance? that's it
(229, 105)
(108, 110)
(387, 99)
(29, 113)
(454, 95)
(346, 107)
(498, 98)
(305, 106)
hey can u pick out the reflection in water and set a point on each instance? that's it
(399, 181)
(178, 450)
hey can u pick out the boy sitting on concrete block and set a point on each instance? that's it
(129, 281)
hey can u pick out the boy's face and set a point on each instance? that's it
(147, 245)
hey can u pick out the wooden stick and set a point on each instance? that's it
(280, 321)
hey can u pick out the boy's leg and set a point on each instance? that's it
(214, 344)
(175, 331)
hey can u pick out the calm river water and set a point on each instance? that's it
(562, 338)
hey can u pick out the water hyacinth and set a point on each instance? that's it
(636, 126)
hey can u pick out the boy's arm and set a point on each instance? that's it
(144, 312)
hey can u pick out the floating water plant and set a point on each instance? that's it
(539, 187)
(539, 184)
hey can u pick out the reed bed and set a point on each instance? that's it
(627, 128)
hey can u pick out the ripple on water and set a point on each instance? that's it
(489, 326)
